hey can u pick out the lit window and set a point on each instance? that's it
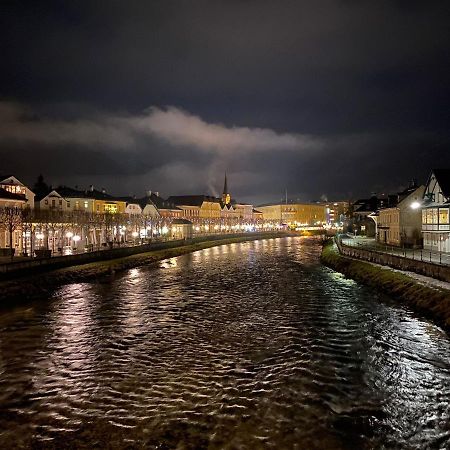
(443, 216)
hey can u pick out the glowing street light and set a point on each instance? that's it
(415, 205)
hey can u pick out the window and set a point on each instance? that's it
(443, 216)
(68, 204)
(60, 202)
(86, 204)
(434, 216)
(46, 202)
(110, 207)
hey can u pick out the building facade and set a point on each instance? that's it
(435, 211)
(11, 184)
(294, 214)
(400, 225)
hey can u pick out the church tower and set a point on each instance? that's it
(226, 197)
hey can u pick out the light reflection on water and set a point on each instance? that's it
(251, 345)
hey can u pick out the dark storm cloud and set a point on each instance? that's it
(360, 86)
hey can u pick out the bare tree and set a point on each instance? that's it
(11, 220)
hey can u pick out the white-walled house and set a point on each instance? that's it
(11, 184)
(53, 201)
(11, 201)
(435, 211)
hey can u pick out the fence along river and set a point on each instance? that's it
(250, 345)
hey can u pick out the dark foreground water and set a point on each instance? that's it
(251, 345)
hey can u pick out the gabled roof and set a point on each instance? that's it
(4, 194)
(3, 178)
(42, 195)
(144, 201)
(443, 178)
(192, 200)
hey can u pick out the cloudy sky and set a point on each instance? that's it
(335, 98)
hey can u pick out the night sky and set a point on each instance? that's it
(332, 99)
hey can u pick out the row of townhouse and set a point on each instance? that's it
(67, 217)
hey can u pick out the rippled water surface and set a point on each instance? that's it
(252, 345)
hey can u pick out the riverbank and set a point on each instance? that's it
(431, 300)
(31, 286)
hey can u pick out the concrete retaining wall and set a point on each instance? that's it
(429, 269)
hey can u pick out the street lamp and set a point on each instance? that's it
(415, 205)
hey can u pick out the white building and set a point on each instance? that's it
(435, 211)
(11, 184)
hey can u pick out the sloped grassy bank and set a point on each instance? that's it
(433, 302)
(39, 285)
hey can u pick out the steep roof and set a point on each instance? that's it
(144, 201)
(443, 178)
(41, 195)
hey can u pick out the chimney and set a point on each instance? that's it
(149, 193)
(157, 193)
(91, 188)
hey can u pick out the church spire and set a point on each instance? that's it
(225, 185)
(226, 197)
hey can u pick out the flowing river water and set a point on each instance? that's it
(251, 345)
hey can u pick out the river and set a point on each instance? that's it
(251, 345)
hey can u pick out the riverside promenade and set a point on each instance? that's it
(422, 262)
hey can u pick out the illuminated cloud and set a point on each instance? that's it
(179, 127)
(123, 132)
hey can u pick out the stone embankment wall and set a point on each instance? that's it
(33, 266)
(430, 301)
(429, 269)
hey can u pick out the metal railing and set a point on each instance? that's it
(431, 256)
